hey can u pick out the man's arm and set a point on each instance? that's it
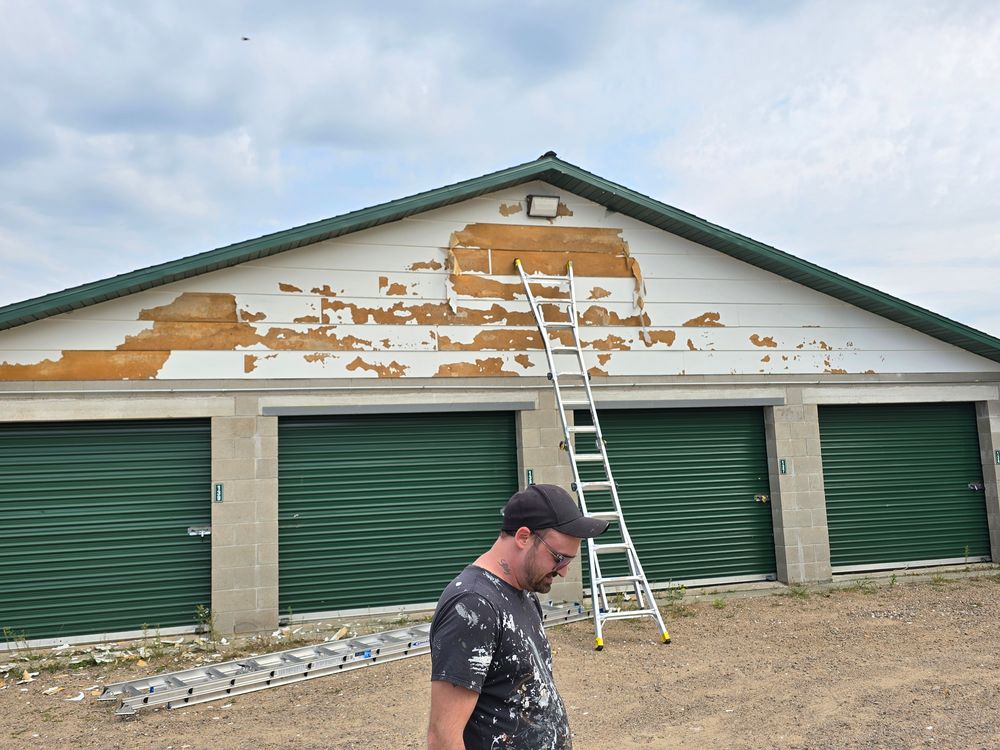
(451, 707)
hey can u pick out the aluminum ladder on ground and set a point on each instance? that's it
(573, 391)
(226, 679)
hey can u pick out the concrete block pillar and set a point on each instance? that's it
(988, 422)
(798, 502)
(539, 433)
(245, 523)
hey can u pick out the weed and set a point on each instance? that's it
(892, 580)
(205, 618)
(966, 554)
(673, 597)
(795, 591)
(938, 580)
(718, 604)
(862, 585)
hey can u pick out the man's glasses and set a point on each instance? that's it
(561, 560)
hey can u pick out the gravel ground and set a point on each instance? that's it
(909, 665)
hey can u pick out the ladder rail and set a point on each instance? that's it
(640, 584)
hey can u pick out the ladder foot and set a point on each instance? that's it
(665, 637)
(599, 644)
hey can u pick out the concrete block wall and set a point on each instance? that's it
(988, 423)
(245, 523)
(798, 510)
(539, 435)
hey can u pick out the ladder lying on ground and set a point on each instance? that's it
(224, 680)
(578, 395)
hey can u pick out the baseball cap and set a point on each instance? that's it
(549, 506)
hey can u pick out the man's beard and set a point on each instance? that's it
(540, 584)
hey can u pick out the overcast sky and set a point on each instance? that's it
(862, 136)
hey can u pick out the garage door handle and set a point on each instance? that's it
(760, 498)
(976, 486)
(200, 531)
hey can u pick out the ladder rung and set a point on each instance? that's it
(611, 547)
(563, 350)
(558, 326)
(607, 515)
(624, 615)
(574, 404)
(588, 457)
(542, 277)
(617, 579)
(588, 486)
(585, 428)
(571, 375)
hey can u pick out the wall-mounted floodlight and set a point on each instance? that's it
(543, 206)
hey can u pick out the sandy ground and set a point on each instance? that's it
(877, 666)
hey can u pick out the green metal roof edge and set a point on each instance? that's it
(551, 169)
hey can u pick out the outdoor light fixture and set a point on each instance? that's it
(543, 206)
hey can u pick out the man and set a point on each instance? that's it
(491, 665)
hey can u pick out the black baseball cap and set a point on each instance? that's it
(549, 506)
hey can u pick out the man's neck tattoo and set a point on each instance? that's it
(506, 566)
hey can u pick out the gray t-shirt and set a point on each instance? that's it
(487, 636)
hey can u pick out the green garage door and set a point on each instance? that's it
(94, 519)
(688, 481)
(379, 510)
(897, 480)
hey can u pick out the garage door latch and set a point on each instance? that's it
(976, 486)
(199, 531)
(760, 498)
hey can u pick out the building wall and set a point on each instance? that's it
(437, 296)
(427, 312)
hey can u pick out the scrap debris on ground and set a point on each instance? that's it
(886, 664)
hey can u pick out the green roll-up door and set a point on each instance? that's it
(897, 482)
(381, 510)
(94, 519)
(687, 481)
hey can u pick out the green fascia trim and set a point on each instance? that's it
(556, 172)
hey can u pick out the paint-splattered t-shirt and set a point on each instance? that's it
(487, 636)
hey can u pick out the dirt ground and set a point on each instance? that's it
(887, 664)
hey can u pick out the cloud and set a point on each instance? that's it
(858, 136)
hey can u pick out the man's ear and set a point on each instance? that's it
(522, 536)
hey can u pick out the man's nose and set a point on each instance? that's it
(562, 571)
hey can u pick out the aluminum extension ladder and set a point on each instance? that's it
(224, 680)
(581, 396)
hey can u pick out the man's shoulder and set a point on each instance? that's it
(478, 582)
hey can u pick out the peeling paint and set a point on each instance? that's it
(283, 287)
(97, 365)
(509, 209)
(396, 290)
(596, 315)
(608, 343)
(307, 319)
(524, 360)
(691, 345)
(383, 282)
(324, 291)
(501, 339)
(194, 307)
(659, 337)
(603, 358)
(471, 261)
(597, 372)
(563, 210)
(430, 265)
(869, 372)
(477, 286)
(756, 340)
(553, 263)
(705, 320)
(318, 357)
(429, 313)
(766, 358)
(250, 317)
(392, 370)
(599, 293)
(528, 238)
(249, 362)
(481, 367)
(825, 346)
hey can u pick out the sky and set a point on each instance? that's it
(860, 135)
